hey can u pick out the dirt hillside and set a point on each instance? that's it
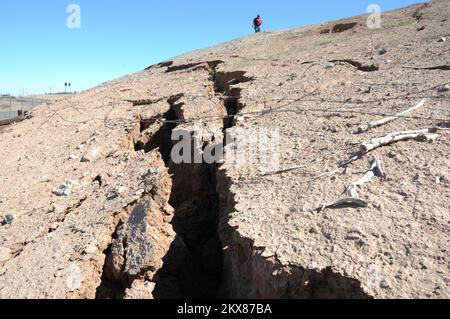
(92, 205)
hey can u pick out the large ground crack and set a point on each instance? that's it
(156, 132)
(227, 84)
(194, 265)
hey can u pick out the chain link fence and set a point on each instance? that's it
(12, 107)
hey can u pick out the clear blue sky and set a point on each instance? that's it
(38, 51)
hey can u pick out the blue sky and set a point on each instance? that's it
(38, 51)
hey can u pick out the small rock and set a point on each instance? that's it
(5, 254)
(443, 39)
(45, 179)
(64, 189)
(119, 190)
(384, 284)
(369, 90)
(91, 249)
(382, 51)
(139, 192)
(53, 226)
(378, 206)
(72, 157)
(140, 290)
(331, 128)
(75, 277)
(116, 192)
(444, 88)
(91, 154)
(276, 273)
(392, 154)
(403, 193)
(8, 219)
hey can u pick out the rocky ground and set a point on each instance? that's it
(92, 205)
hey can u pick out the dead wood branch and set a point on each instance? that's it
(423, 135)
(375, 170)
(351, 193)
(331, 173)
(284, 170)
(349, 201)
(368, 126)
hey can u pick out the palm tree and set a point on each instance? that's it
(70, 84)
(65, 87)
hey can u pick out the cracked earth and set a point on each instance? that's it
(93, 206)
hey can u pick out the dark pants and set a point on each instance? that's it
(257, 28)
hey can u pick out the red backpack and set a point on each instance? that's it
(258, 22)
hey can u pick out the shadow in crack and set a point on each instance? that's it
(193, 266)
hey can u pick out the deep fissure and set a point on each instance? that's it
(193, 266)
(161, 139)
(113, 283)
(225, 83)
(198, 273)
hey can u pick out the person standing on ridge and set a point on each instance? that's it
(257, 23)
